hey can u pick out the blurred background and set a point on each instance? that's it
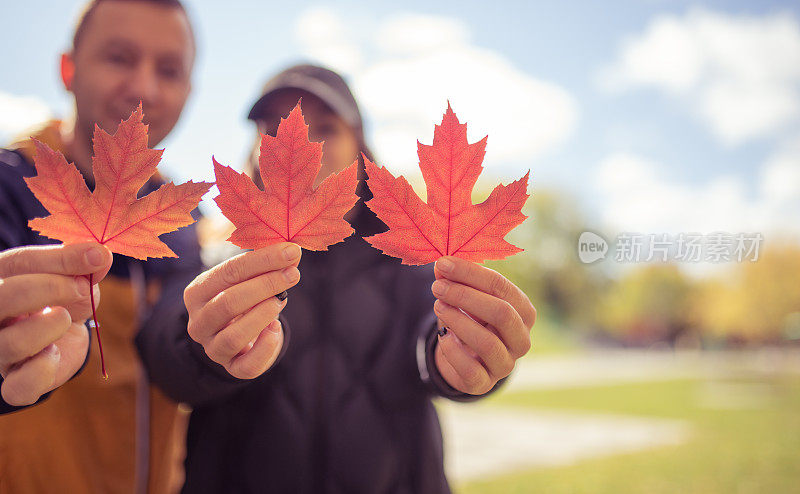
(653, 370)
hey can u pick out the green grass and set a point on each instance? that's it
(549, 337)
(751, 449)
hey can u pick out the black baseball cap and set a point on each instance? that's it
(323, 83)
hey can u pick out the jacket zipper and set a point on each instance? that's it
(320, 435)
(142, 400)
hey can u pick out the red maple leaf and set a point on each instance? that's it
(289, 209)
(448, 224)
(112, 214)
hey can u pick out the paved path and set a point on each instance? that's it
(483, 440)
(601, 367)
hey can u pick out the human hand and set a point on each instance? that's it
(233, 308)
(485, 323)
(45, 303)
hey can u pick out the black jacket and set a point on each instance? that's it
(346, 409)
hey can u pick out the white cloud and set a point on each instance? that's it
(665, 56)
(780, 187)
(322, 35)
(741, 74)
(18, 113)
(637, 197)
(427, 33)
(414, 64)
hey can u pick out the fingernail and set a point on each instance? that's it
(274, 326)
(52, 351)
(283, 295)
(94, 257)
(82, 286)
(291, 252)
(439, 287)
(291, 274)
(445, 265)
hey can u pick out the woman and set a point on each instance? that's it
(344, 405)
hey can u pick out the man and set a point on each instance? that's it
(92, 435)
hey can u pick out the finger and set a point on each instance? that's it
(30, 335)
(238, 269)
(31, 292)
(74, 346)
(260, 357)
(74, 259)
(486, 345)
(230, 341)
(473, 375)
(81, 310)
(26, 382)
(488, 281)
(495, 311)
(238, 299)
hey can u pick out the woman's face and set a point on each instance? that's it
(340, 146)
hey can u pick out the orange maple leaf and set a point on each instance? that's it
(111, 214)
(289, 209)
(448, 224)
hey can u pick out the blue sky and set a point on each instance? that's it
(597, 100)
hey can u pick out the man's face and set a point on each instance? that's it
(129, 52)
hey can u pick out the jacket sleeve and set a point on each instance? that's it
(429, 373)
(426, 341)
(174, 362)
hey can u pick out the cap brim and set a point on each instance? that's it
(324, 92)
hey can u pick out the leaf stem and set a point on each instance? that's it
(97, 329)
